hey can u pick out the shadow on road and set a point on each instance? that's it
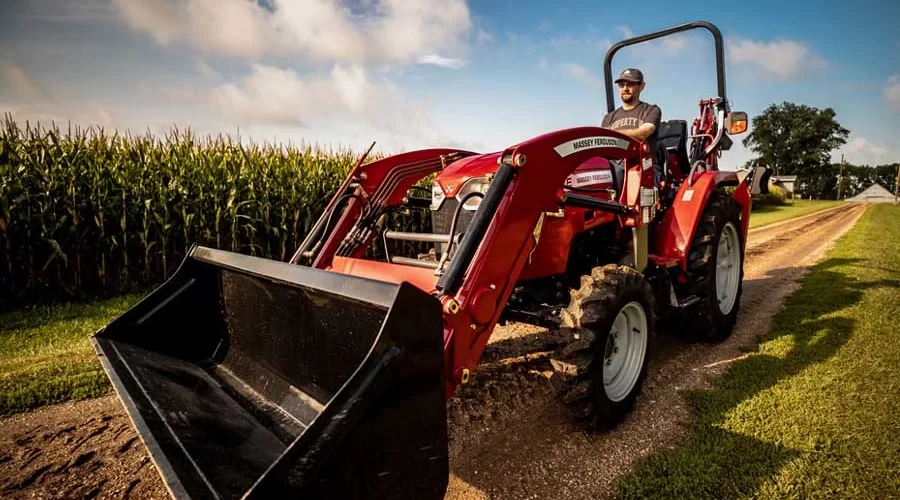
(535, 451)
(719, 463)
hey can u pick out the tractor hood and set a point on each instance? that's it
(452, 178)
(471, 173)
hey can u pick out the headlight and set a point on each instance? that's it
(437, 196)
(477, 184)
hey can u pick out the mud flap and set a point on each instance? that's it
(253, 378)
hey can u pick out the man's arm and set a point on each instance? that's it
(640, 133)
(651, 123)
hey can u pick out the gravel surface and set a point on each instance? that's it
(509, 435)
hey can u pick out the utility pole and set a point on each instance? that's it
(897, 187)
(841, 177)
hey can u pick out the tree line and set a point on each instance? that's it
(797, 139)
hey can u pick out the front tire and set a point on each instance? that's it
(716, 268)
(612, 317)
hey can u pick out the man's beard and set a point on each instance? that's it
(627, 98)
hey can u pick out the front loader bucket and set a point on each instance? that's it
(253, 378)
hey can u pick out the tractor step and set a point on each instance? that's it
(688, 301)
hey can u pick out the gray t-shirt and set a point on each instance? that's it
(625, 119)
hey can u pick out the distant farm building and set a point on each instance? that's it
(874, 194)
(785, 182)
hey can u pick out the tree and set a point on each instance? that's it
(886, 175)
(796, 139)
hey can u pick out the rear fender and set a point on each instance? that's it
(674, 236)
(742, 195)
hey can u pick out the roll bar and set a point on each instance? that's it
(720, 56)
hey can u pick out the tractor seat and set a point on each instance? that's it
(672, 143)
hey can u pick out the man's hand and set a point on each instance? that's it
(641, 133)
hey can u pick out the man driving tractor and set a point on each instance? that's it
(635, 118)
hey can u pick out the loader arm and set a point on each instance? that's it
(502, 234)
(479, 278)
(369, 190)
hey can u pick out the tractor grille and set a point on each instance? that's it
(443, 218)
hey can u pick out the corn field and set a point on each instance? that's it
(87, 213)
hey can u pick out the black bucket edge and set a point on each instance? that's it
(311, 449)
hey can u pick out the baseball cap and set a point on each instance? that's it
(631, 75)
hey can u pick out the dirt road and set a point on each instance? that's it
(509, 437)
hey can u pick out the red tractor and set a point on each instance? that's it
(328, 375)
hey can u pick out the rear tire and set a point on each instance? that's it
(611, 315)
(716, 269)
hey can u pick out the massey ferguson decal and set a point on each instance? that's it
(589, 177)
(577, 145)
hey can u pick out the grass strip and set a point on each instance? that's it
(763, 215)
(46, 357)
(813, 412)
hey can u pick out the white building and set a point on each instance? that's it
(874, 194)
(786, 182)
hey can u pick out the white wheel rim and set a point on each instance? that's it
(625, 347)
(728, 268)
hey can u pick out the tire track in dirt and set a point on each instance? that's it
(510, 437)
(75, 450)
(782, 229)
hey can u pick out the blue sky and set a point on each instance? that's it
(415, 73)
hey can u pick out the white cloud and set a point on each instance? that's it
(10, 107)
(626, 31)
(575, 70)
(375, 31)
(674, 43)
(779, 59)
(85, 114)
(271, 95)
(583, 42)
(579, 72)
(861, 151)
(234, 27)
(444, 62)
(104, 116)
(483, 36)
(207, 71)
(274, 95)
(21, 113)
(892, 92)
(22, 84)
(668, 45)
(69, 11)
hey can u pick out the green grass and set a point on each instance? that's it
(763, 215)
(814, 412)
(46, 357)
